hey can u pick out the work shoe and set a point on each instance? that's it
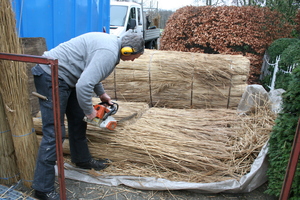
(53, 195)
(95, 164)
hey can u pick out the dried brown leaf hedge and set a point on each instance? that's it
(246, 30)
(297, 20)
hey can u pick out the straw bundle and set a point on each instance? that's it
(191, 145)
(8, 169)
(185, 145)
(129, 84)
(181, 79)
(222, 86)
(14, 90)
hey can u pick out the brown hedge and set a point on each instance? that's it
(244, 30)
(297, 20)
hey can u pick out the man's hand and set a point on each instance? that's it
(93, 115)
(105, 98)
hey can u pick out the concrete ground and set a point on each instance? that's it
(77, 190)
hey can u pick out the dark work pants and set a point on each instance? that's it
(44, 175)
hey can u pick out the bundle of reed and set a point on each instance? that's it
(181, 79)
(171, 75)
(14, 91)
(186, 145)
(223, 84)
(190, 145)
(129, 83)
(9, 172)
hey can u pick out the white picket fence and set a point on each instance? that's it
(265, 69)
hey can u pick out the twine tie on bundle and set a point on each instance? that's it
(33, 130)
(4, 131)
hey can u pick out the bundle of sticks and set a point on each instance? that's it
(18, 142)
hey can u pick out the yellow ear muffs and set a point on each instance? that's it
(127, 51)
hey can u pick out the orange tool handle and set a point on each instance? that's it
(101, 110)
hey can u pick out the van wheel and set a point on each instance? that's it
(151, 45)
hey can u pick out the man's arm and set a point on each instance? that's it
(98, 69)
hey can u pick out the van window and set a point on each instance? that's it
(117, 15)
(139, 17)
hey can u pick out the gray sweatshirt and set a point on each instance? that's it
(84, 62)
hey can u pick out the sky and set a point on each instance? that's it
(176, 4)
(173, 4)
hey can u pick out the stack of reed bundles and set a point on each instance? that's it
(190, 145)
(180, 79)
(14, 91)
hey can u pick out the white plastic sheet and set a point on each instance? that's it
(249, 182)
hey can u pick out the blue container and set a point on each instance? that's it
(58, 21)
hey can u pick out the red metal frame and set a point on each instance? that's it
(292, 166)
(56, 108)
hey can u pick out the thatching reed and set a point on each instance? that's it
(190, 145)
(14, 91)
(9, 172)
(180, 79)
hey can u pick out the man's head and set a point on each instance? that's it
(132, 46)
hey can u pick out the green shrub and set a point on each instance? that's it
(290, 55)
(289, 51)
(281, 140)
(282, 80)
(278, 46)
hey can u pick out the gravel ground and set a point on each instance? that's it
(78, 190)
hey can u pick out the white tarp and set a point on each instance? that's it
(249, 182)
